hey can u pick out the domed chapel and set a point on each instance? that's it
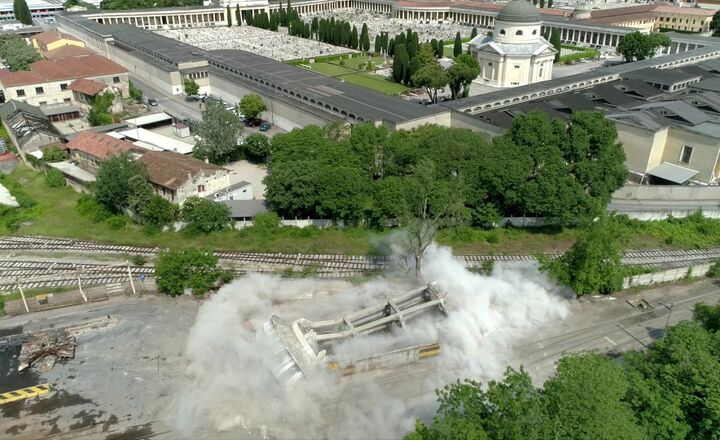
(516, 54)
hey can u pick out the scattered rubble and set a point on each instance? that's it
(45, 349)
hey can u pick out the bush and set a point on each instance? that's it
(139, 260)
(53, 154)
(204, 216)
(267, 221)
(186, 268)
(116, 222)
(23, 199)
(54, 179)
(90, 208)
(714, 270)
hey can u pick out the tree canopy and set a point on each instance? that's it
(669, 391)
(552, 168)
(18, 55)
(191, 88)
(219, 133)
(251, 105)
(204, 216)
(637, 46)
(22, 12)
(193, 268)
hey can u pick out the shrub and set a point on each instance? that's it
(266, 221)
(116, 222)
(186, 268)
(90, 208)
(54, 178)
(139, 260)
(714, 270)
(53, 154)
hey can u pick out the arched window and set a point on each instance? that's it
(535, 32)
(518, 33)
(502, 32)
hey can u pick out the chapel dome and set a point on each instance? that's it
(519, 11)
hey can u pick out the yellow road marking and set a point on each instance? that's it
(25, 393)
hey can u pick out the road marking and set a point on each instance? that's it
(609, 340)
(25, 393)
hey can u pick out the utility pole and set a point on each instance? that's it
(667, 322)
(130, 277)
(77, 271)
(22, 295)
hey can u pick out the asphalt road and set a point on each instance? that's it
(659, 205)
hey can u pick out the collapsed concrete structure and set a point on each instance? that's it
(305, 347)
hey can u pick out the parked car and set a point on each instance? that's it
(253, 122)
(152, 102)
(191, 98)
(265, 126)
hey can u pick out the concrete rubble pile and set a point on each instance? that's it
(44, 350)
(306, 347)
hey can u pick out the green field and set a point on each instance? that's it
(350, 72)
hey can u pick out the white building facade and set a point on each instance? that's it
(516, 54)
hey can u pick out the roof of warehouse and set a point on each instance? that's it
(360, 101)
(176, 51)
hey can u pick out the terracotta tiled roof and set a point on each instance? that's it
(100, 145)
(67, 52)
(172, 170)
(87, 86)
(53, 36)
(61, 69)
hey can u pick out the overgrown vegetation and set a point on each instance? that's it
(18, 55)
(178, 269)
(579, 53)
(669, 391)
(54, 178)
(134, 93)
(99, 113)
(636, 46)
(219, 134)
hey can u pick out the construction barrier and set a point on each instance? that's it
(25, 393)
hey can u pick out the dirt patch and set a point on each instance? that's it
(16, 429)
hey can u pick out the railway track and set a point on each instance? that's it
(322, 263)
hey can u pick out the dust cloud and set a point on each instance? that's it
(229, 381)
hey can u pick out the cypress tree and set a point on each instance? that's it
(354, 38)
(391, 47)
(433, 45)
(238, 15)
(22, 12)
(473, 34)
(384, 42)
(414, 66)
(555, 41)
(249, 18)
(227, 13)
(457, 47)
(440, 46)
(366, 42)
(378, 46)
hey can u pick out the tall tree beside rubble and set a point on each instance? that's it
(433, 203)
(22, 12)
(457, 45)
(193, 268)
(219, 132)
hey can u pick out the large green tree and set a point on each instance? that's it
(201, 215)
(115, 178)
(191, 87)
(461, 74)
(193, 268)
(22, 12)
(433, 78)
(18, 55)
(592, 264)
(251, 105)
(219, 133)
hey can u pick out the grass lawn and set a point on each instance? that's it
(55, 215)
(375, 82)
(350, 72)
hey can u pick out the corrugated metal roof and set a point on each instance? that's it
(673, 173)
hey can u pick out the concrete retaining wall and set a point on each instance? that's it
(665, 276)
(668, 193)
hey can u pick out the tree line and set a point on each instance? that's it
(364, 174)
(669, 391)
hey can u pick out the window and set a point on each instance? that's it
(63, 86)
(20, 92)
(535, 32)
(39, 90)
(42, 103)
(490, 64)
(517, 66)
(116, 79)
(502, 32)
(67, 100)
(686, 154)
(518, 33)
(201, 188)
